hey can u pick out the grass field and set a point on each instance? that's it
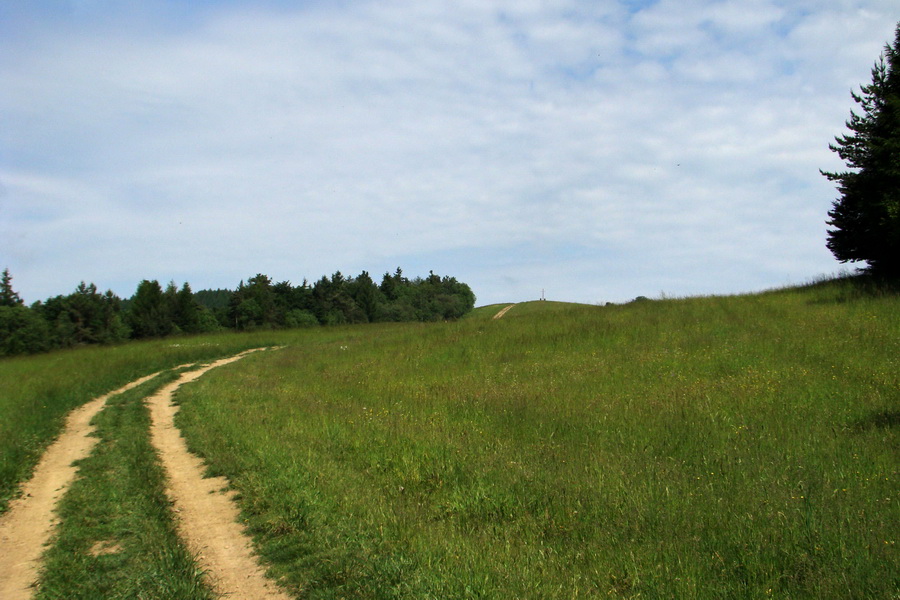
(38, 391)
(116, 537)
(737, 447)
(697, 448)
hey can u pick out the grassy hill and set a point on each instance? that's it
(740, 446)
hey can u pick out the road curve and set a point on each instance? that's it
(207, 517)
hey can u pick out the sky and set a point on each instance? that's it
(590, 151)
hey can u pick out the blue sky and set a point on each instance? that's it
(595, 150)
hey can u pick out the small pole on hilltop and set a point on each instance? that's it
(542, 295)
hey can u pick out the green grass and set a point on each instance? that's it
(116, 538)
(521, 309)
(535, 307)
(696, 448)
(485, 312)
(39, 391)
(738, 447)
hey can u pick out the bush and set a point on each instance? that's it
(300, 318)
(22, 331)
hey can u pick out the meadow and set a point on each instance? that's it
(723, 447)
(116, 537)
(694, 448)
(38, 391)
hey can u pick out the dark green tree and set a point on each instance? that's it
(399, 293)
(83, 317)
(214, 308)
(149, 311)
(865, 220)
(284, 299)
(302, 297)
(8, 296)
(322, 299)
(186, 311)
(254, 304)
(213, 299)
(367, 296)
(22, 331)
(295, 304)
(114, 326)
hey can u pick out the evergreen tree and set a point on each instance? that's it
(83, 317)
(866, 218)
(22, 331)
(322, 295)
(214, 308)
(388, 287)
(186, 312)
(114, 326)
(366, 295)
(213, 299)
(88, 317)
(148, 314)
(8, 296)
(254, 305)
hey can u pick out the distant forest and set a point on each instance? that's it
(87, 316)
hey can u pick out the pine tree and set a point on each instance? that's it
(148, 314)
(866, 218)
(8, 296)
(186, 312)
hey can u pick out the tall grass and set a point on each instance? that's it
(695, 448)
(38, 391)
(116, 537)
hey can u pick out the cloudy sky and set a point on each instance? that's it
(594, 149)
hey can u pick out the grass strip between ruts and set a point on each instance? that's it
(116, 537)
(39, 391)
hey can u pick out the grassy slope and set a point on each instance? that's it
(39, 391)
(116, 537)
(708, 448)
(522, 308)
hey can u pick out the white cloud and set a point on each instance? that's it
(679, 144)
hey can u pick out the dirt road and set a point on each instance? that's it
(29, 522)
(206, 516)
(503, 311)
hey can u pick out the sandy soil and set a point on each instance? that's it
(27, 526)
(503, 311)
(207, 516)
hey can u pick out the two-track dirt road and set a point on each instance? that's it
(26, 527)
(206, 514)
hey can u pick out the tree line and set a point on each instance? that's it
(87, 316)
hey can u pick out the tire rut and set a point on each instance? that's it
(28, 524)
(207, 517)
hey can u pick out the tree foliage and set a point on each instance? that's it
(148, 314)
(865, 220)
(22, 331)
(88, 317)
(83, 317)
(8, 296)
(338, 299)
